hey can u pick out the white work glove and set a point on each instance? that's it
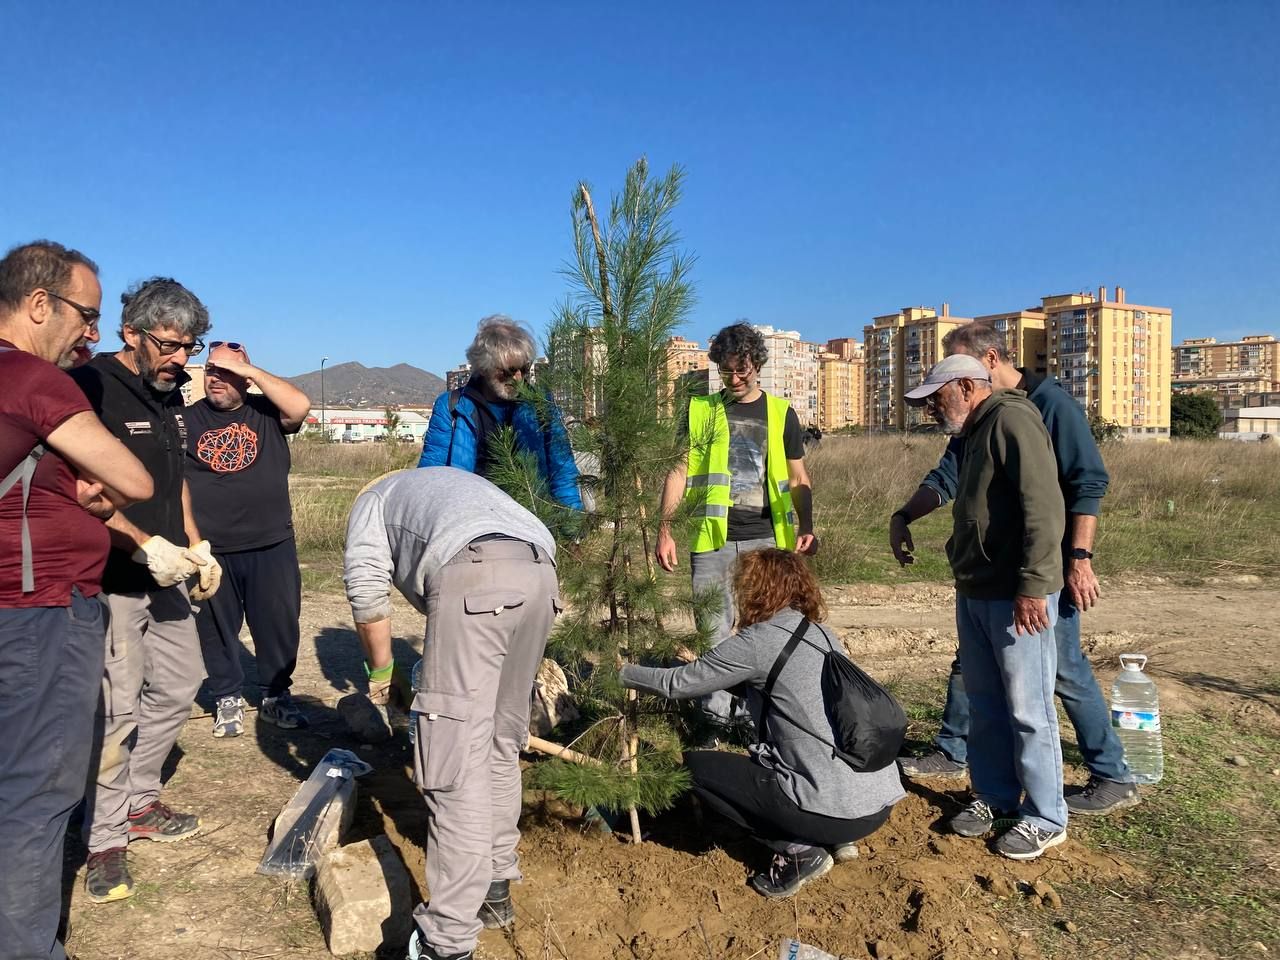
(210, 572)
(169, 563)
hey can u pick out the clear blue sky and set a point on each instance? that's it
(366, 180)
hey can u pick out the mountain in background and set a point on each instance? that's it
(354, 384)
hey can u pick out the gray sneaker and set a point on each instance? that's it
(1099, 797)
(978, 819)
(229, 719)
(936, 764)
(283, 712)
(1025, 841)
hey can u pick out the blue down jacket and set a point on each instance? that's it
(456, 438)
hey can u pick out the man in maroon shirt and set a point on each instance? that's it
(58, 465)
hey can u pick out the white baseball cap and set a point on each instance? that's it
(958, 366)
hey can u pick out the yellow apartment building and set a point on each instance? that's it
(1113, 357)
(1231, 371)
(1024, 336)
(840, 391)
(899, 349)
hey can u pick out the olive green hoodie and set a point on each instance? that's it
(1008, 514)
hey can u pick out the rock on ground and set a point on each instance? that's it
(363, 897)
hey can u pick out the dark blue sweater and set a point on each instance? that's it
(1081, 473)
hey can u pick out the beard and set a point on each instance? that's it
(151, 374)
(951, 428)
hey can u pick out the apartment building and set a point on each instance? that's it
(686, 368)
(841, 391)
(1024, 335)
(457, 377)
(899, 348)
(1231, 371)
(1113, 357)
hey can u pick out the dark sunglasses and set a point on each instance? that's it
(509, 373)
(229, 344)
(89, 315)
(169, 347)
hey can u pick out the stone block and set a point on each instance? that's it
(552, 703)
(364, 898)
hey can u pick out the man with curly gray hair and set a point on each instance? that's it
(463, 421)
(153, 657)
(744, 479)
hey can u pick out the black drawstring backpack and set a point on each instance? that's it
(867, 723)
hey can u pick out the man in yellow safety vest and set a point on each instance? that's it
(744, 478)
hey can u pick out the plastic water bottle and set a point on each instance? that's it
(413, 714)
(1135, 715)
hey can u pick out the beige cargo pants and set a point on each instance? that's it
(489, 612)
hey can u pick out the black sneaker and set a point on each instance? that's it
(936, 764)
(497, 911)
(1099, 797)
(978, 819)
(418, 950)
(157, 822)
(1025, 841)
(108, 878)
(787, 874)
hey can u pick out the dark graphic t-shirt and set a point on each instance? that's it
(749, 517)
(238, 471)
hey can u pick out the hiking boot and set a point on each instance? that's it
(936, 764)
(844, 852)
(1025, 841)
(978, 819)
(497, 911)
(787, 873)
(1099, 797)
(157, 822)
(420, 950)
(229, 719)
(108, 877)
(282, 711)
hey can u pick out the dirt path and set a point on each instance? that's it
(915, 891)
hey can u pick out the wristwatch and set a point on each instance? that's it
(1080, 553)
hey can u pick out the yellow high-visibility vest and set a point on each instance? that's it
(707, 480)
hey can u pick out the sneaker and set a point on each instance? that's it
(1099, 797)
(787, 874)
(497, 911)
(844, 852)
(420, 950)
(978, 819)
(108, 877)
(229, 720)
(282, 711)
(157, 822)
(936, 764)
(1025, 841)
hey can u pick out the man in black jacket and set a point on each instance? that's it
(153, 662)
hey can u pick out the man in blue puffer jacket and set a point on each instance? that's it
(463, 421)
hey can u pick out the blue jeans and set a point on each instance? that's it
(1081, 698)
(1016, 758)
(50, 679)
(713, 570)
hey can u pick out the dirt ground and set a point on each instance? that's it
(915, 891)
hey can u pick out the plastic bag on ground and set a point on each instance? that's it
(305, 824)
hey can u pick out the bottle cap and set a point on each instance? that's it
(1128, 661)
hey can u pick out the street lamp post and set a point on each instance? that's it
(324, 434)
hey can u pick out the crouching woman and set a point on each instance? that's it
(790, 792)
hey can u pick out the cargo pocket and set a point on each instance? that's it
(440, 750)
(492, 601)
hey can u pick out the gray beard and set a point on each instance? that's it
(150, 377)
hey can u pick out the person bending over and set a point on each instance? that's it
(789, 791)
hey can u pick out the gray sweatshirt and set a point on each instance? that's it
(807, 771)
(404, 528)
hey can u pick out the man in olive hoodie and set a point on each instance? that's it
(1005, 554)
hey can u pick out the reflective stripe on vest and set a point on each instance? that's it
(707, 486)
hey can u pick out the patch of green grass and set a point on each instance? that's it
(1205, 834)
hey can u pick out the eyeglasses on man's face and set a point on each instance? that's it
(169, 347)
(509, 373)
(89, 315)
(742, 373)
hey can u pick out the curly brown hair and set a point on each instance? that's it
(769, 580)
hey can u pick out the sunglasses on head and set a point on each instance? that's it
(229, 344)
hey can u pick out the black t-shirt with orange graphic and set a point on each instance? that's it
(238, 471)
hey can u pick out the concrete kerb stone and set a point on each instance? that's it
(364, 897)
